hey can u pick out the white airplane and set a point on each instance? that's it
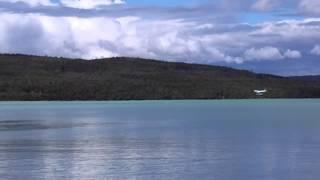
(260, 92)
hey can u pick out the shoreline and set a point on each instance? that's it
(156, 100)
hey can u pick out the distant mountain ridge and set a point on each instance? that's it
(307, 78)
(24, 77)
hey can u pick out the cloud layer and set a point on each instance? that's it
(200, 34)
(89, 4)
(310, 6)
(265, 5)
(175, 39)
(316, 50)
(80, 4)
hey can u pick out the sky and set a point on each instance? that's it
(266, 36)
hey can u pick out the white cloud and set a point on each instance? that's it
(169, 39)
(316, 50)
(81, 4)
(31, 2)
(270, 53)
(89, 4)
(310, 6)
(264, 5)
(265, 53)
(292, 54)
(106, 37)
(220, 56)
(95, 37)
(66, 36)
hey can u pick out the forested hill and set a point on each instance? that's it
(44, 78)
(307, 78)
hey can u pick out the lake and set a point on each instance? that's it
(187, 140)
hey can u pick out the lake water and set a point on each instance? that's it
(223, 140)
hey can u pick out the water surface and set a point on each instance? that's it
(224, 140)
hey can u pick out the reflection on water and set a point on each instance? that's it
(161, 140)
(24, 125)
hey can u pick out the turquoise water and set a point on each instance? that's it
(223, 140)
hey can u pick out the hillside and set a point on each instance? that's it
(45, 78)
(307, 78)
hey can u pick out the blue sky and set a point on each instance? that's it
(267, 36)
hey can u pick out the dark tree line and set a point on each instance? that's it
(45, 78)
